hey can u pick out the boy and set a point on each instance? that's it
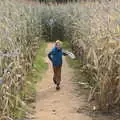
(55, 55)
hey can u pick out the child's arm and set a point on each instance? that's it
(50, 55)
(64, 53)
(70, 54)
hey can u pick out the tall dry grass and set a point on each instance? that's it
(20, 37)
(94, 34)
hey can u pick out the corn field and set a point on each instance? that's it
(20, 37)
(93, 29)
(95, 40)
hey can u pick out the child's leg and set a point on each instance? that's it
(55, 75)
(58, 75)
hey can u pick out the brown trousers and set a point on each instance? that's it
(57, 74)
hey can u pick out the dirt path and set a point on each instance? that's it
(58, 105)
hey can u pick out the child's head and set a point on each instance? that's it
(58, 44)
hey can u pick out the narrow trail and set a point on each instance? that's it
(58, 105)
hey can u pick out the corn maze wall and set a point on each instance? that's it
(93, 29)
(20, 37)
